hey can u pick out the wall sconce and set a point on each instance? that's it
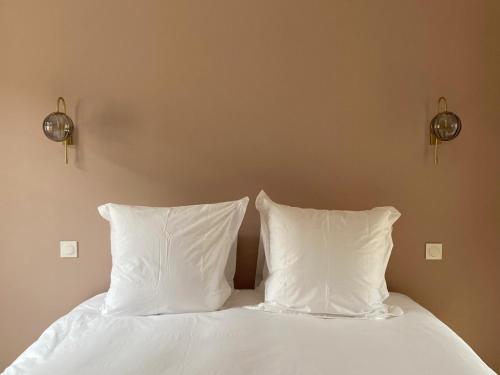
(445, 126)
(59, 127)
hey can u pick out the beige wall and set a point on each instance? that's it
(321, 103)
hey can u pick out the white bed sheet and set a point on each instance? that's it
(242, 341)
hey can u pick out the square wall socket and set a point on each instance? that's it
(433, 251)
(68, 249)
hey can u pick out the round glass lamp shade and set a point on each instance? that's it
(58, 126)
(446, 126)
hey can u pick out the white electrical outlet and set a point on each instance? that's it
(68, 249)
(433, 251)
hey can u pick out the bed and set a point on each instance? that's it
(238, 340)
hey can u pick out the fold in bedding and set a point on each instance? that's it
(236, 340)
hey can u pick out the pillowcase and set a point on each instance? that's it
(172, 259)
(231, 264)
(326, 262)
(261, 271)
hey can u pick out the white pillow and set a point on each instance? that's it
(170, 260)
(261, 271)
(326, 262)
(230, 270)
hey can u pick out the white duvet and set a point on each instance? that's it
(236, 340)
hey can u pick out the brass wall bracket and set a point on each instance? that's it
(432, 138)
(444, 127)
(58, 127)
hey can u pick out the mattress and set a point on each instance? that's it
(237, 340)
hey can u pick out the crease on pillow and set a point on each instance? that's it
(381, 313)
